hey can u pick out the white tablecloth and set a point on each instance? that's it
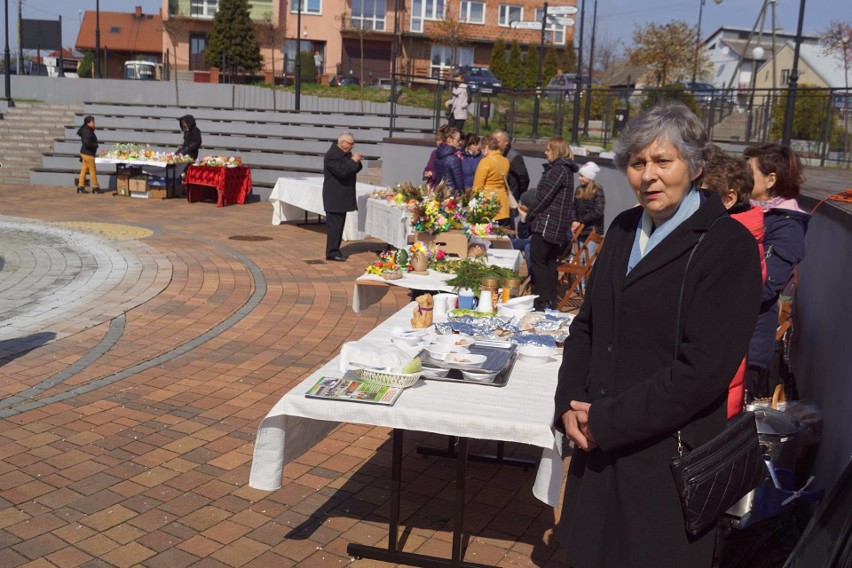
(292, 197)
(388, 222)
(140, 163)
(522, 411)
(370, 288)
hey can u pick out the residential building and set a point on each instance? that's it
(123, 36)
(356, 36)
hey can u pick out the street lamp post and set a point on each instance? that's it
(756, 55)
(794, 80)
(537, 101)
(591, 66)
(299, 56)
(845, 43)
(697, 41)
(98, 38)
(575, 122)
(7, 58)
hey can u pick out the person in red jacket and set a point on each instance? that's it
(732, 179)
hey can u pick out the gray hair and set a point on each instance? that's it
(670, 121)
(344, 134)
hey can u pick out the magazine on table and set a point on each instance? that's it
(354, 390)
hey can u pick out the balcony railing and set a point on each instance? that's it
(351, 23)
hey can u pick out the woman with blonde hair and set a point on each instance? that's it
(549, 219)
(589, 204)
(491, 175)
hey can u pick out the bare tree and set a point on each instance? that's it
(607, 51)
(450, 32)
(273, 35)
(175, 26)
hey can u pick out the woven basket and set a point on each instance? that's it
(394, 275)
(402, 380)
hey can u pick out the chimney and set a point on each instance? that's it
(138, 11)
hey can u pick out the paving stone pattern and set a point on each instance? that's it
(140, 347)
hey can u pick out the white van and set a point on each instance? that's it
(143, 70)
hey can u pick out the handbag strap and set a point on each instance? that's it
(679, 305)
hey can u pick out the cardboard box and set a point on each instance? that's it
(138, 185)
(122, 185)
(453, 242)
(157, 193)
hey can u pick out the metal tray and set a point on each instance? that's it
(500, 355)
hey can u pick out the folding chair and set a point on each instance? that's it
(571, 250)
(576, 271)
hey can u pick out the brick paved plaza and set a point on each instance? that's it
(141, 344)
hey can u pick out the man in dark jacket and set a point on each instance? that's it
(87, 155)
(518, 178)
(340, 167)
(191, 137)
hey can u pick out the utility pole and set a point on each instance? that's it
(697, 41)
(20, 49)
(591, 66)
(98, 39)
(7, 58)
(299, 56)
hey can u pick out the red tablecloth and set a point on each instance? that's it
(233, 185)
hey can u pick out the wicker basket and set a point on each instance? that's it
(393, 275)
(402, 380)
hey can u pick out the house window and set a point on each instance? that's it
(510, 13)
(472, 12)
(290, 52)
(785, 76)
(203, 8)
(444, 58)
(368, 14)
(308, 6)
(425, 10)
(555, 33)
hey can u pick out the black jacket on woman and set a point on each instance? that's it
(621, 505)
(550, 215)
(590, 212)
(338, 188)
(89, 139)
(191, 137)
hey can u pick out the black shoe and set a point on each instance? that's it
(82, 190)
(337, 258)
(97, 190)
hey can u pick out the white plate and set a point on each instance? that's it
(455, 339)
(442, 352)
(479, 376)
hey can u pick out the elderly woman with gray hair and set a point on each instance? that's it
(662, 329)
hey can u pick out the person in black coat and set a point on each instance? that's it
(549, 219)
(622, 394)
(191, 137)
(518, 178)
(340, 168)
(88, 151)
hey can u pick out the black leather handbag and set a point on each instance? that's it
(717, 474)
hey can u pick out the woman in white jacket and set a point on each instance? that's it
(457, 106)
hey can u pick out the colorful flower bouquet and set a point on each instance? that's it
(221, 161)
(132, 152)
(385, 266)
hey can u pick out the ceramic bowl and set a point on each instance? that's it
(521, 303)
(407, 336)
(479, 376)
(466, 360)
(508, 312)
(434, 372)
(441, 352)
(458, 339)
(536, 354)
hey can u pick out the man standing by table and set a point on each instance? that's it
(340, 167)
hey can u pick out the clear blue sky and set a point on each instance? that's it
(616, 18)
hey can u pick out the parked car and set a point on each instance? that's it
(703, 92)
(344, 81)
(480, 79)
(564, 85)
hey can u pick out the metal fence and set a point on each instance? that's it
(822, 129)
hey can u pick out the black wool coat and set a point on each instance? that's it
(89, 141)
(338, 187)
(621, 507)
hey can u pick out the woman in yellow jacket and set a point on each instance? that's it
(491, 175)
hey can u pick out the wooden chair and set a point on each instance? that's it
(571, 250)
(576, 271)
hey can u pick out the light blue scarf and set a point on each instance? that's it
(647, 237)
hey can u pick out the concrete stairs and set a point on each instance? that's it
(732, 128)
(27, 131)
